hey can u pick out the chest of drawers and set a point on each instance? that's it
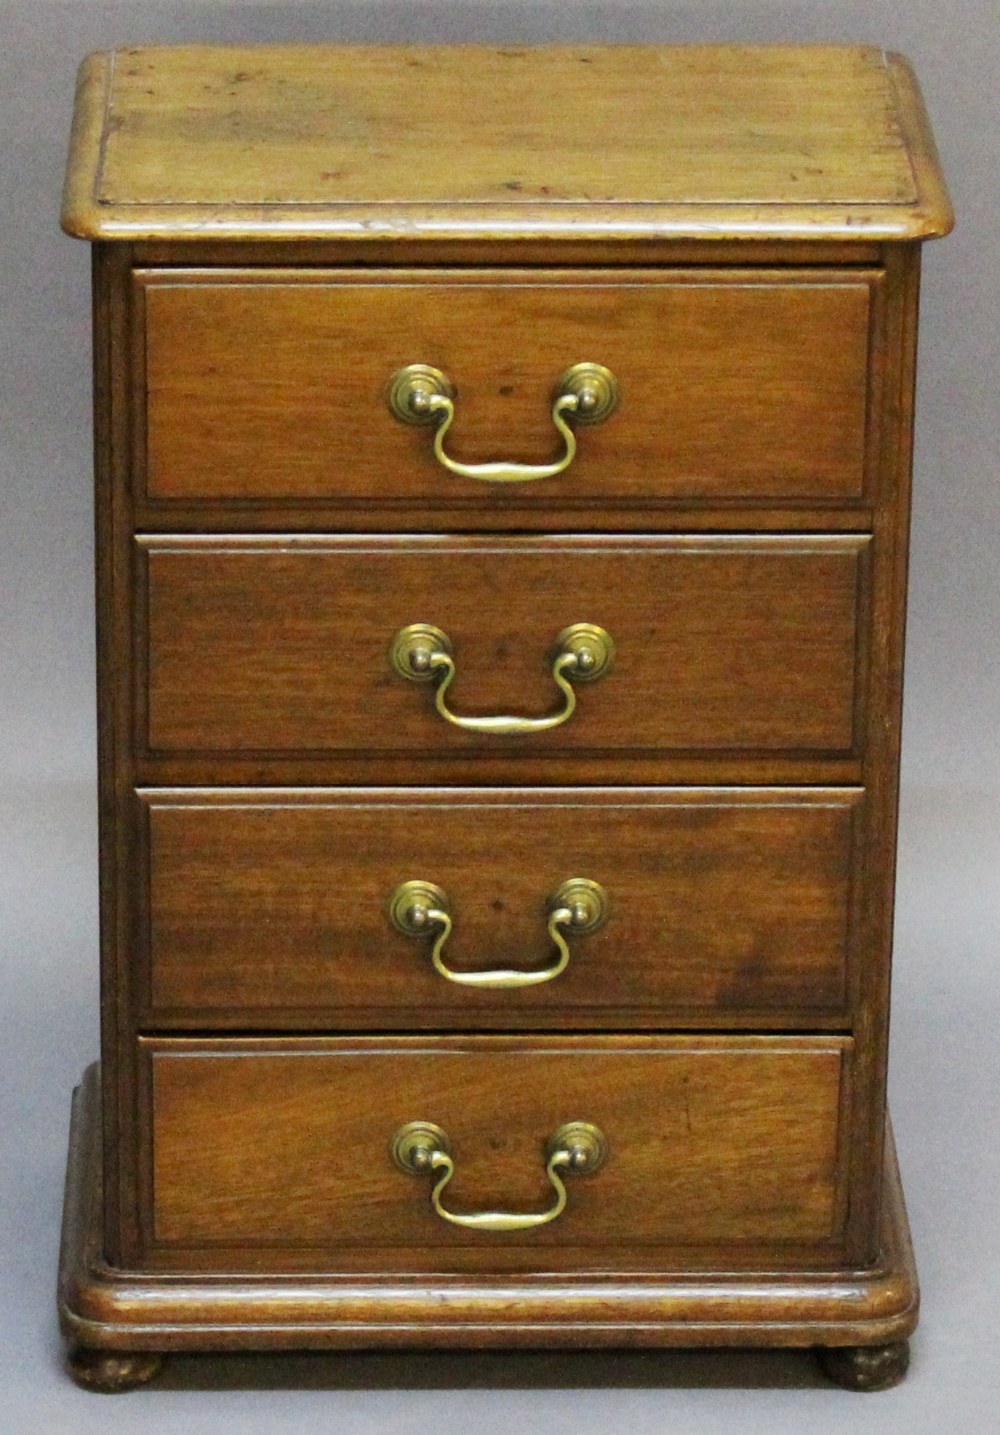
(502, 495)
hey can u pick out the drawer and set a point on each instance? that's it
(743, 385)
(271, 1144)
(282, 645)
(722, 907)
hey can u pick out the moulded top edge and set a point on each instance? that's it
(620, 143)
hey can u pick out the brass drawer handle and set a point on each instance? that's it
(585, 394)
(577, 1147)
(423, 653)
(418, 909)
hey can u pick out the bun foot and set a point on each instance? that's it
(110, 1372)
(866, 1367)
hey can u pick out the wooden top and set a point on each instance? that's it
(633, 142)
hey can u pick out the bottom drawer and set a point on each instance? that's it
(261, 1148)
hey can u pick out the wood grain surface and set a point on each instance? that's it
(270, 909)
(714, 142)
(732, 230)
(281, 645)
(351, 1305)
(736, 385)
(710, 1139)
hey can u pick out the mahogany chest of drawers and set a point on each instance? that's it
(502, 494)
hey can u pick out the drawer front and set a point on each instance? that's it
(736, 385)
(723, 645)
(270, 1144)
(272, 909)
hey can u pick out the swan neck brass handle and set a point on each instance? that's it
(421, 909)
(420, 1148)
(583, 652)
(586, 393)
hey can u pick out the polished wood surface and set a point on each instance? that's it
(270, 909)
(281, 645)
(737, 385)
(265, 526)
(710, 1139)
(130, 1309)
(614, 141)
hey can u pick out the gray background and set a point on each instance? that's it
(945, 1071)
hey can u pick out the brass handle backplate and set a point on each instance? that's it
(576, 1148)
(421, 909)
(423, 653)
(585, 394)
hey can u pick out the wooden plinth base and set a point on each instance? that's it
(117, 1321)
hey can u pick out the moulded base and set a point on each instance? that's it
(106, 1313)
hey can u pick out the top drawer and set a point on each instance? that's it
(739, 386)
